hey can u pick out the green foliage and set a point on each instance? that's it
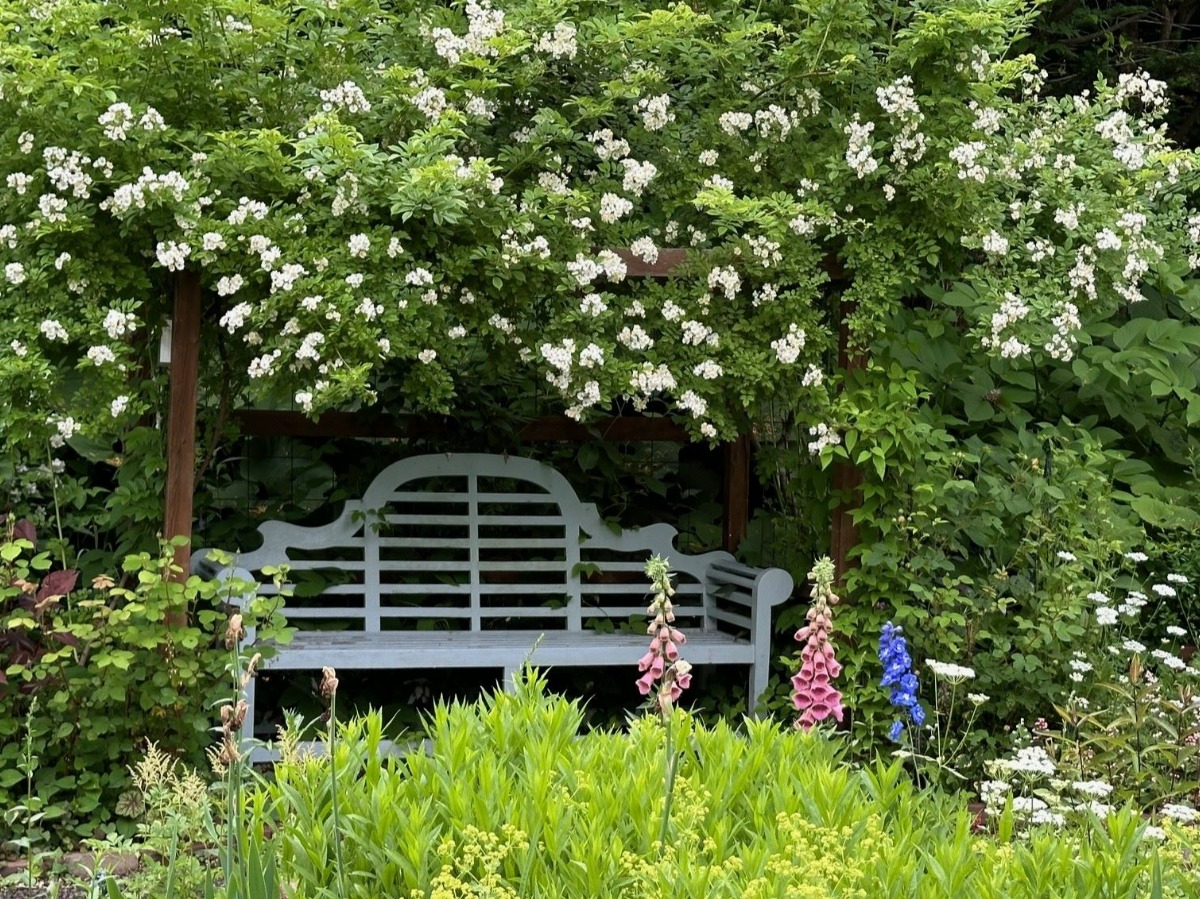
(93, 672)
(445, 160)
(1075, 40)
(511, 801)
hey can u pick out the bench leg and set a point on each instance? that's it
(759, 672)
(509, 684)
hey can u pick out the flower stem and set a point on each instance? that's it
(333, 786)
(672, 764)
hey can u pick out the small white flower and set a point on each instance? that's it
(1184, 814)
(172, 256)
(643, 248)
(118, 406)
(1097, 788)
(1106, 615)
(559, 43)
(229, 285)
(427, 356)
(359, 244)
(1136, 556)
(614, 207)
(52, 330)
(99, 355)
(1176, 631)
(1164, 590)
(950, 671)
(655, 112)
(14, 273)
(1177, 579)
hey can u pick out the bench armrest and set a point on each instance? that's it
(758, 590)
(751, 587)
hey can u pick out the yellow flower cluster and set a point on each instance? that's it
(471, 867)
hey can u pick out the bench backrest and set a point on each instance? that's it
(480, 542)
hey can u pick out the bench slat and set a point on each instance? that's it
(484, 520)
(461, 499)
(730, 618)
(522, 543)
(353, 650)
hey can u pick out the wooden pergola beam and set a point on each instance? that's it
(556, 428)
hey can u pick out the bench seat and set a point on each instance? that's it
(506, 650)
(502, 552)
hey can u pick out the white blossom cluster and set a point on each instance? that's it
(651, 379)
(775, 123)
(117, 323)
(1062, 342)
(559, 43)
(1029, 760)
(644, 249)
(733, 123)
(823, 436)
(119, 119)
(635, 338)
(483, 24)
(614, 207)
(638, 175)
(655, 112)
(967, 157)
(858, 147)
(950, 671)
(899, 101)
(725, 279)
(53, 330)
(787, 348)
(699, 334)
(1011, 311)
(149, 185)
(608, 146)
(347, 95)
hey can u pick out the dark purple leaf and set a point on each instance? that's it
(24, 530)
(58, 583)
(66, 638)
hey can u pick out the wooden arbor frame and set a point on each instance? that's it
(181, 428)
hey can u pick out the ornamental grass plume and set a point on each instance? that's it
(899, 675)
(815, 696)
(661, 664)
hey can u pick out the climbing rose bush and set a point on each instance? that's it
(383, 200)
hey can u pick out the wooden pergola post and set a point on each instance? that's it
(847, 478)
(736, 517)
(181, 417)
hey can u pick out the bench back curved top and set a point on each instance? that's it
(481, 538)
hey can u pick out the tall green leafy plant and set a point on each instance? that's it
(99, 669)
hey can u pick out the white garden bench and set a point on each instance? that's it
(501, 554)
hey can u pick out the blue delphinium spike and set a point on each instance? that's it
(898, 674)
